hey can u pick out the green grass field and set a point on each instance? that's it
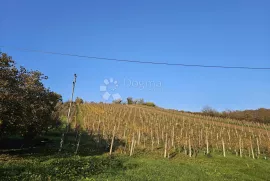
(44, 163)
(140, 167)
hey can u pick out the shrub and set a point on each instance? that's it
(79, 100)
(27, 108)
(151, 104)
(130, 100)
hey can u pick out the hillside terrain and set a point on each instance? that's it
(137, 142)
(142, 127)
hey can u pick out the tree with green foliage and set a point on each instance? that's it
(27, 108)
(79, 100)
(130, 100)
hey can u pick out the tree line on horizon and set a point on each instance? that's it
(261, 115)
(130, 101)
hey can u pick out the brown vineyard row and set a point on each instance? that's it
(170, 132)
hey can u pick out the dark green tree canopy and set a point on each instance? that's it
(27, 108)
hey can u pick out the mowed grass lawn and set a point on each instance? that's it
(139, 167)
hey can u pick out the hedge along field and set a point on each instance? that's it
(132, 128)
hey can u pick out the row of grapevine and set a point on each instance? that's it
(170, 132)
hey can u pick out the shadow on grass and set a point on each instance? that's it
(40, 159)
(70, 168)
(49, 144)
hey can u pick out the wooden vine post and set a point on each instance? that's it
(165, 146)
(112, 140)
(223, 146)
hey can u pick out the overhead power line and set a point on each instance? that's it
(137, 61)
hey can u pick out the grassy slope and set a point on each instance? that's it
(203, 168)
(140, 167)
(44, 165)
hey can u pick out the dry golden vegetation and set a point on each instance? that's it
(132, 128)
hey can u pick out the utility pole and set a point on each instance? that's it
(70, 104)
(68, 116)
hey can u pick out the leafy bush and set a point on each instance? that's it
(130, 100)
(151, 104)
(79, 100)
(27, 108)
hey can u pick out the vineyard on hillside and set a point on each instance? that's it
(128, 129)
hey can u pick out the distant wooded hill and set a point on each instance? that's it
(261, 115)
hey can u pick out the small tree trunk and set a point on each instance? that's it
(62, 142)
(78, 144)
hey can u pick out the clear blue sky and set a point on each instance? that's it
(229, 33)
